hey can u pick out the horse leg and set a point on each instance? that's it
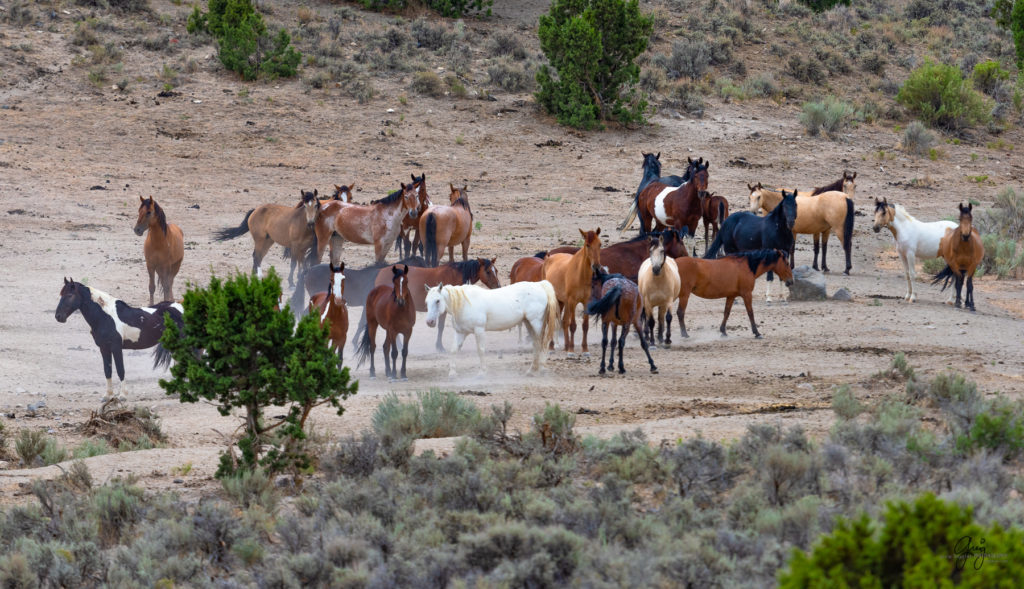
(118, 354)
(107, 369)
(465, 249)
(668, 327)
(622, 344)
(478, 335)
(650, 326)
(451, 254)
(817, 244)
(611, 347)
(768, 287)
(824, 250)
(604, 344)
(569, 324)
(405, 351)
(646, 347)
(959, 288)
(661, 326)
(908, 271)
(586, 328)
(460, 338)
(260, 250)
(152, 282)
(969, 303)
(537, 344)
(725, 318)
(747, 300)
(438, 346)
(372, 331)
(681, 314)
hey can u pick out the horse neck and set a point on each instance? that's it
(92, 307)
(581, 265)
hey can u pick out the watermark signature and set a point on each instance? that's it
(967, 550)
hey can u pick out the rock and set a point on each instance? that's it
(808, 285)
(842, 295)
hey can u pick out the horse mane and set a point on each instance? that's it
(456, 298)
(836, 186)
(469, 269)
(161, 217)
(755, 257)
(462, 202)
(603, 276)
(901, 211)
(389, 199)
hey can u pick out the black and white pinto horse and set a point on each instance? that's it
(652, 173)
(117, 326)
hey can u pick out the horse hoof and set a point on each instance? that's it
(758, 336)
(654, 371)
(570, 354)
(586, 354)
(404, 379)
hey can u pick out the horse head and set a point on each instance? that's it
(488, 272)
(592, 245)
(337, 281)
(849, 185)
(884, 215)
(70, 300)
(434, 303)
(399, 283)
(779, 264)
(700, 177)
(756, 198)
(343, 193)
(788, 206)
(656, 251)
(674, 245)
(458, 193)
(147, 210)
(966, 221)
(411, 199)
(311, 205)
(652, 164)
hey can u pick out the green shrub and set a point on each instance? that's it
(939, 95)
(553, 427)
(845, 403)
(448, 8)
(1006, 217)
(987, 75)
(116, 508)
(244, 45)
(999, 428)
(699, 469)
(823, 5)
(506, 45)
(591, 46)
(434, 414)
(29, 445)
(510, 76)
(830, 115)
(1003, 256)
(428, 83)
(251, 487)
(929, 543)
(90, 448)
(917, 139)
(54, 452)
(808, 70)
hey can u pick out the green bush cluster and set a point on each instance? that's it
(448, 8)
(823, 5)
(244, 44)
(831, 115)
(591, 46)
(939, 95)
(432, 414)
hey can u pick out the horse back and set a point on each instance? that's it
(527, 270)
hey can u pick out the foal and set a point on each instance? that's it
(963, 250)
(164, 248)
(332, 309)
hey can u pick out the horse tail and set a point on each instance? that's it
(233, 232)
(551, 320)
(721, 211)
(631, 214)
(848, 227)
(298, 300)
(430, 240)
(944, 277)
(360, 330)
(161, 357)
(716, 245)
(362, 348)
(606, 302)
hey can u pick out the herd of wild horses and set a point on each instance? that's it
(634, 283)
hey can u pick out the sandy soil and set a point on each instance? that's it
(75, 158)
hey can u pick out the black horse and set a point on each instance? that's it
(652, 173)
(744, 231)
(118, 326)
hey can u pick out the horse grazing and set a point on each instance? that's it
(291, 227)
(404, 245)
(626, 257)
(377, 223)
(616, 301)
(570, 275)
(963, 250)
(477, 310)
(729, 277)
(819, 215)
(715, 210)
(117, 326)
(659, 287)
(680, 207)
(652, 173)
(745, 231)
(164, 247)
(331, 307)
(447, 226)
(914, 239)
(389, 307)
(420, 279)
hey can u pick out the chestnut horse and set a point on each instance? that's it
(447, 226)
(342, 193)
(715, 209)
(391, 308)
(729, 277)
(404, 245)
(164, 248)
(570, 275)
(528, 269)
(616, 301)
(377, 223)
(659, 287)
(626, 257)
(331, 308)
(291, 227)
(963, 251)
(667, 206)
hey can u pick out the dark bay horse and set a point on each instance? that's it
(963, 250)
(331, 308)
(615, 300)
(391, 308)
(117, 326)
(652, 173)
(666, 206)
(406, 243)
(291, 227)
(847, 183)
(745, 231)
(729, 277)
(715, 210)
(164, 247)
(626, 257)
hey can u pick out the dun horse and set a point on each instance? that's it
(729, 277)
(914, 239)
(659, 287)
(291, 227)
(447, 226)
(117, 326)
(331, 308)
(164, 248)
(616, 301)
(391, 308)
(570, 276)
(963, 251)
(377, 223)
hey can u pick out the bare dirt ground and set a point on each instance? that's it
(74, 159)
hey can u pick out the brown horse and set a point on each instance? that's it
(331, 308)
(668, 206)
(447, 226)
(616, 300)
(847, 183)
(528, 269)
(819, 215)
(570, 276)
(963, 251)
(420, 279)
(377, 223)
(626, 257)
(390, 307)
(715, 209)
(342, 193)
(729, 277)
(404, 244)
(164, 248)
(291, 227)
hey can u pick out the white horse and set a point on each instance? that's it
(914, 239)
(472, 309)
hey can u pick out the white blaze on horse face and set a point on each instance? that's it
(338, 277)
(433, 303)
(659, 205)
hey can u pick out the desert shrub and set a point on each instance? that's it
(85, 33)
(19, 13)
(116, 508)
(652, 80)
(54, 452)
(353, 457)
(506, 45)
(122, 5)
(939, 95)
(823, 5)
(917, 139)
(524, 556)
(29, 445)
(999, 428)
(788, 475)
(699, 469)
(431, 36)
(1002, 257)
(3, 442)
(987, 76)
(911, 547)
(958, 398)
(1009, 14)
(626, 454)
(830, 115)
(687, 98)
(428, 83)
(808, 70)
(78, 476)
(251, 487)
(591, 46)
(553, 429)
(845, 403)
(874, 63)
(509, 76)
(689, 58)
(448, 8)
(434, 414)
(1006, 216)
(244, 45)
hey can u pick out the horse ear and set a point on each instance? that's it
(465, 188)
(658, 157)
(598, 232)
(583, 233)
(853, 176)
(342, 267)
(141, 199)
(407, 268)
(395, 270)
(970, 207)
(315, 193)
(402, 184)
(452, 186)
